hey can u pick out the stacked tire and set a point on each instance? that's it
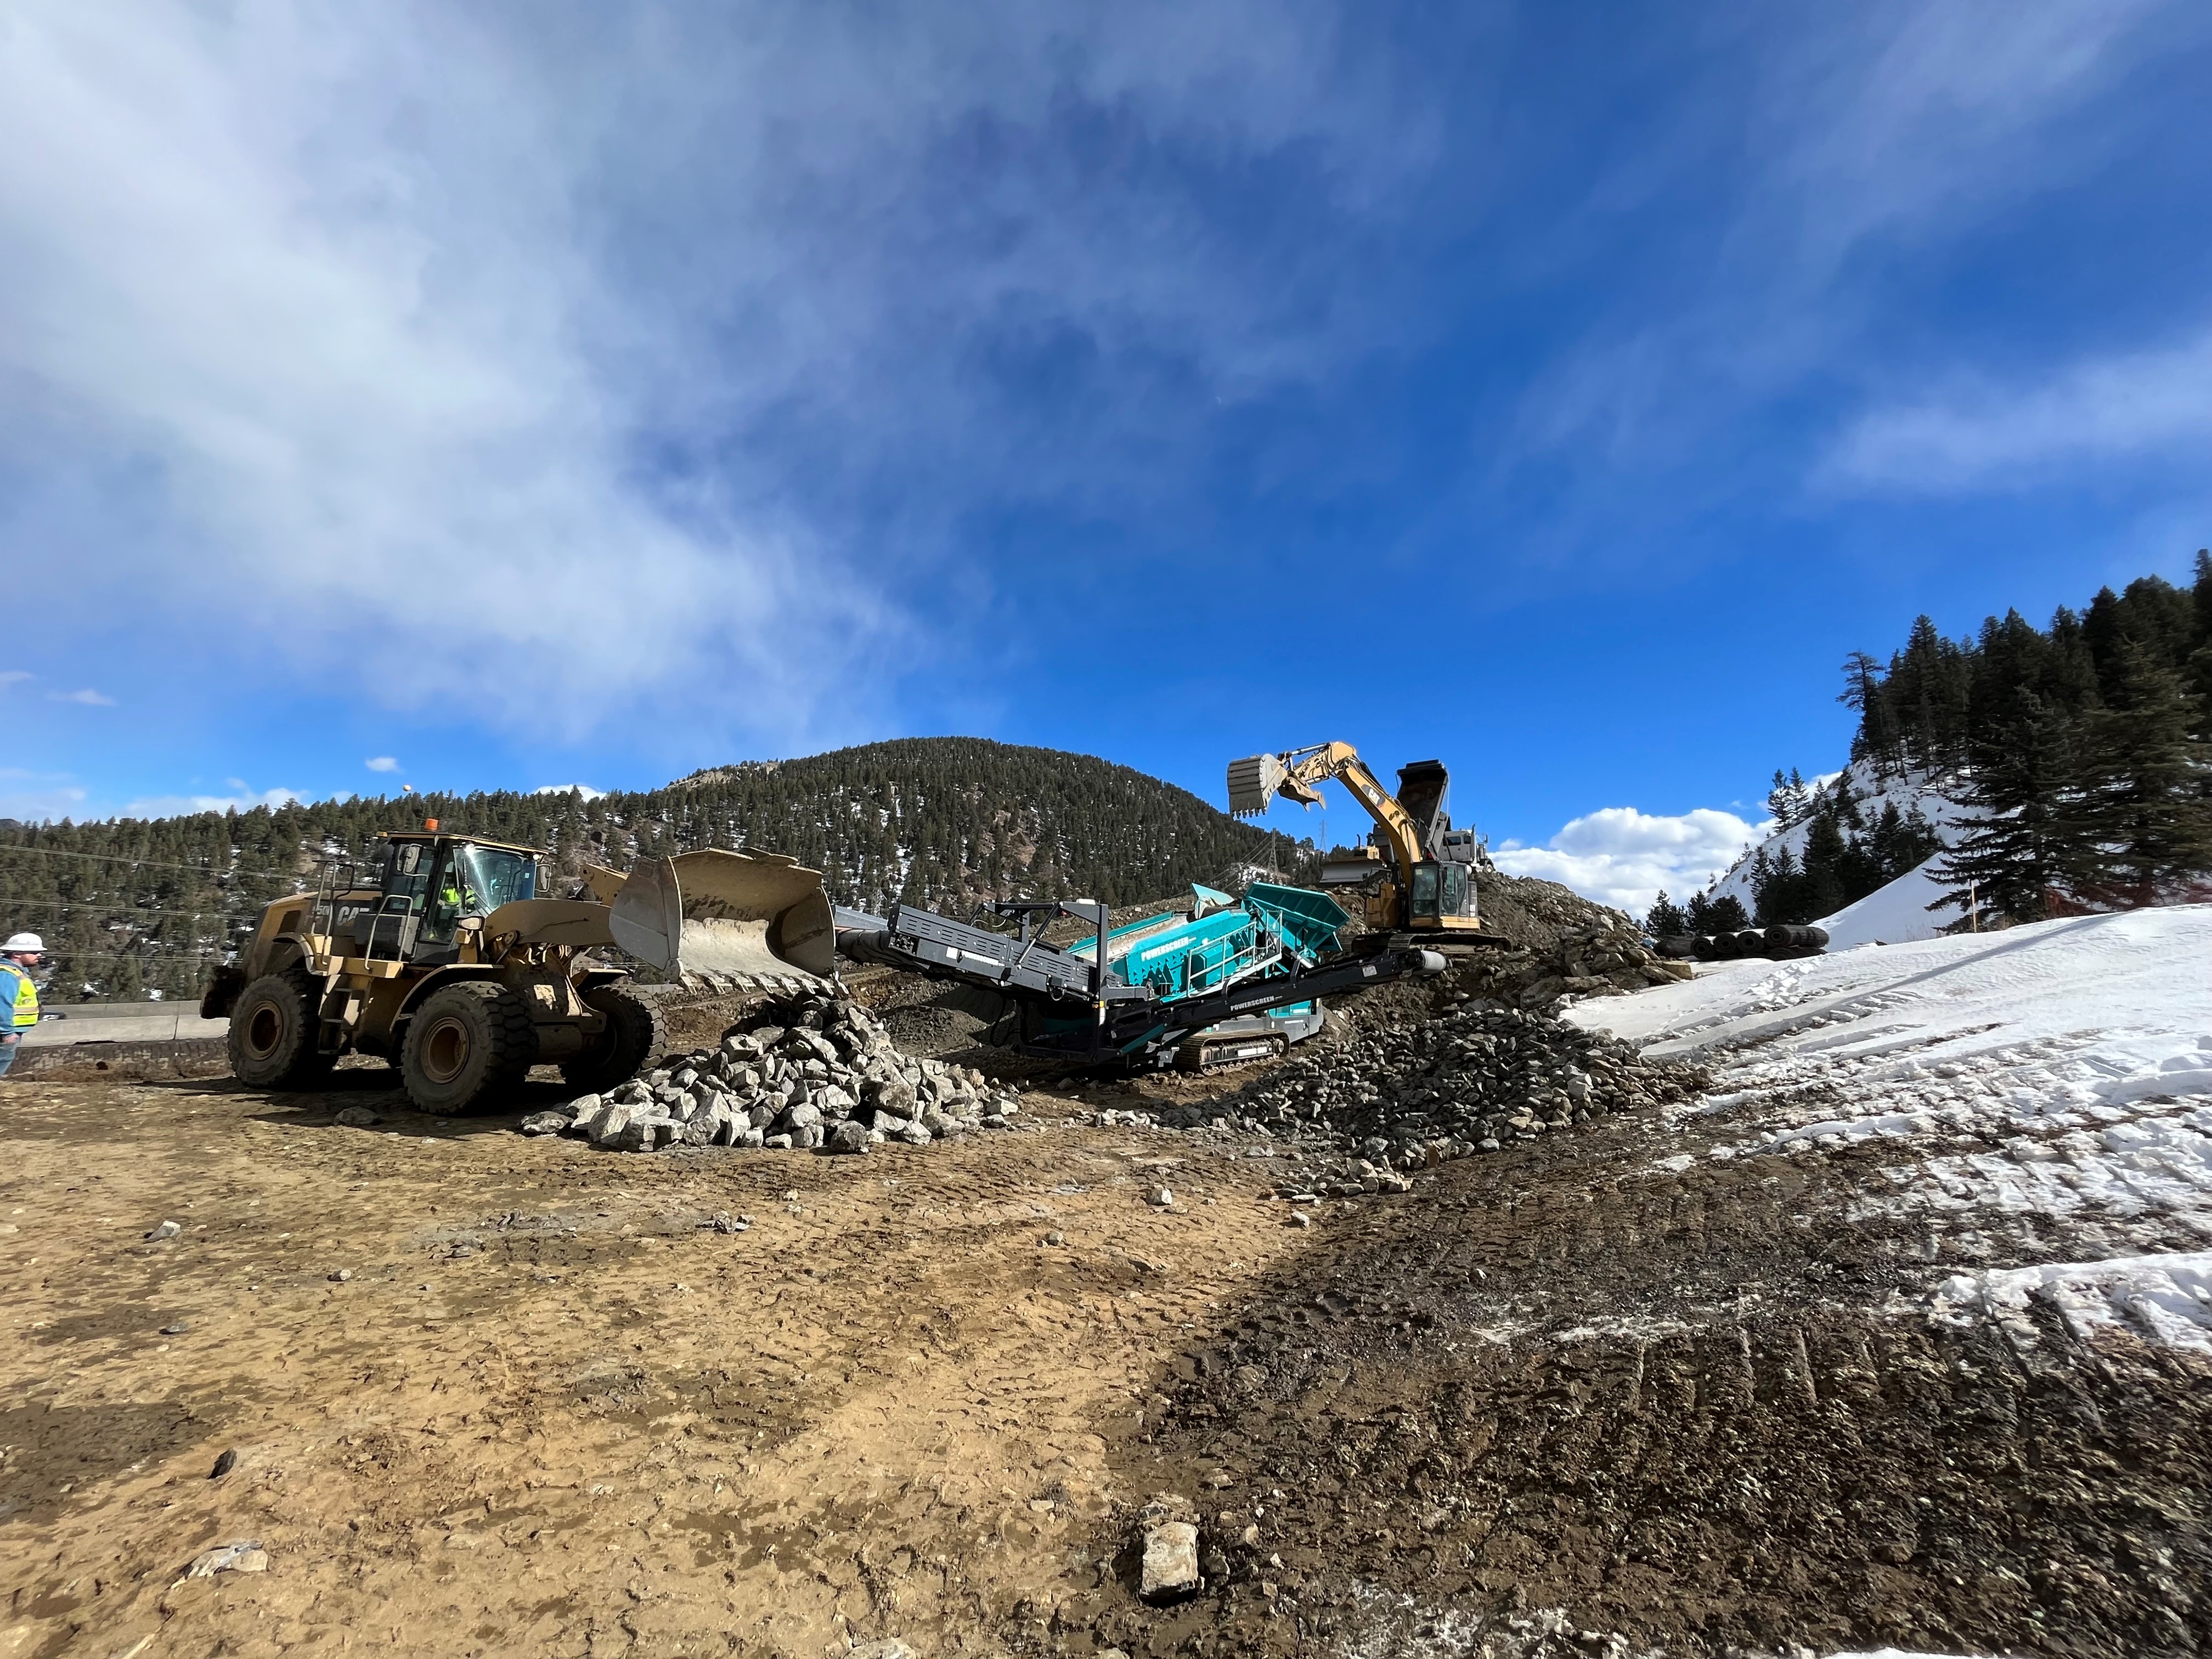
(1777, 944)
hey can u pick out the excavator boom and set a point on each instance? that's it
(1297, 774)
(1429, 887)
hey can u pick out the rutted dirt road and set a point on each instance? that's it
(1559, 1390)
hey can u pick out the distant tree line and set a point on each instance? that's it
(2084, 749)
(130, 906)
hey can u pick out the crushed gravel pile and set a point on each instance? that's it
(812, 1071)
(1548, 942)
(1600, 957)
(1472, 1079)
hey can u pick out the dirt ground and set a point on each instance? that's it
(490, 1395)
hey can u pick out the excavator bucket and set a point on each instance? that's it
(1252, 784)
(1255, 781)
(751, 914)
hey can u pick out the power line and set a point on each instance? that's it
(119, 907)
(153, 864)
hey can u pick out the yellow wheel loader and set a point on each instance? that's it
(449, 964)
(1416, 874)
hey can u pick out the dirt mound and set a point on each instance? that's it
(1366, 1111)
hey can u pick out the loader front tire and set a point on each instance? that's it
(273, 1027)
(632, 1037)
(466, 1045)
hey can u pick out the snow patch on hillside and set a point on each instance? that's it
(1874, 793)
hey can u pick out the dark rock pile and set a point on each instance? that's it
(1596, 958)
(812, 1071)
(1475, 1076)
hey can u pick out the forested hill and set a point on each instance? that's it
(136, 905)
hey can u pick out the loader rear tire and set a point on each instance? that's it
(466, 1045)
(633, 1036)
(273, 1026)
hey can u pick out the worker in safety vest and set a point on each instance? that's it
(19, 997)
(457, 899)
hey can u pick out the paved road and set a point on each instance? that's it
(121, 1022)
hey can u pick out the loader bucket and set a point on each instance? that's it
(757, 915)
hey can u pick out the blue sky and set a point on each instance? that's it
(533, 394)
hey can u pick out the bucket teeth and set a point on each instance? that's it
(1252, 784)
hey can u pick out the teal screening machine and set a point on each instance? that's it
(1227, 981)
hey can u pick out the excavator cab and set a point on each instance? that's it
(1443, 898)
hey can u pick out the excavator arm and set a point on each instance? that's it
(1297, 774)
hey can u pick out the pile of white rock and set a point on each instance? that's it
(814, 1071)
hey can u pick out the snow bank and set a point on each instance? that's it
(1895, 914)
(2056, 1072)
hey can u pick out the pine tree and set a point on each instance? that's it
(1665, 919)
(2200, 655)
(2019, 843)
(1705, 913)
(2141, 817)
(1876, 737)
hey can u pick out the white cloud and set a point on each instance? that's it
(89, 697)
(2131, 405)
(1621, 857)
(381, 763)
(246, 800)
(583, 789)
(15, 675)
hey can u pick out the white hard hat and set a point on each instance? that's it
(23, 942)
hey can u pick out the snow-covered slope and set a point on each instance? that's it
(1895, 914)
(2045, 1094)
(1874, 793)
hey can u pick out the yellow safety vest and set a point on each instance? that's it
(26, 995)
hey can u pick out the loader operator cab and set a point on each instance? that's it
(432, 884)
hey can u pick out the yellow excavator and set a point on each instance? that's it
(1416, 874)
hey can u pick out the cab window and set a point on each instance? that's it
(1454, 889)
(1425, 890)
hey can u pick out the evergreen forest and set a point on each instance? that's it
(128, 907)
(2082, 752)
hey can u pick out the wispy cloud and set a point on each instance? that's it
(1858, 133)
(88, 697)
(1622, 857)
(243, 800)
(2136, 405)
(15, 675)
(382, 763)
(486, 350)
(40, 797)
